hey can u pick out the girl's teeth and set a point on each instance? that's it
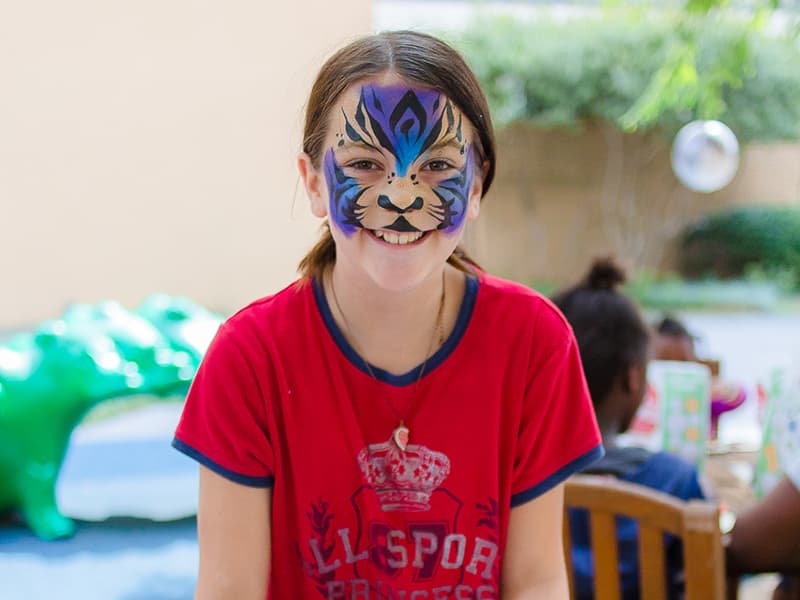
(398, 238)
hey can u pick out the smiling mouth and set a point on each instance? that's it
(399, 233)
(399, 239)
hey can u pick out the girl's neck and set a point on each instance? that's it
(394, 330)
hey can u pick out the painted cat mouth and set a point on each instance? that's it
(402, 225)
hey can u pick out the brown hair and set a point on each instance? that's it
(418, 58)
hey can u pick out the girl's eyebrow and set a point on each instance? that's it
(450, 142)
(352, 144)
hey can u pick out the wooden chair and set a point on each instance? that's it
(695, 522)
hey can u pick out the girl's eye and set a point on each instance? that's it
(438, 165)
(363, 165)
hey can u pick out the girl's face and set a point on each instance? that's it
(400, 179)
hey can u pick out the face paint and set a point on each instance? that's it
(402, 126)
(454, 195)
(404, 122)
(344, 194)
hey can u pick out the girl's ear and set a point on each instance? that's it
(476, 193)
(314, 183)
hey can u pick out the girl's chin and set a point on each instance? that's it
(397, 266)
(401, 277)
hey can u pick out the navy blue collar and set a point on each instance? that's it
(464, 314)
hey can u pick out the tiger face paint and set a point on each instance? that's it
(401, 165)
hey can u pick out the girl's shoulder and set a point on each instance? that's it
(521, 304)
(272, 314)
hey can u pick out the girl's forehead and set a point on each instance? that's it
(390, 95)
(388, 87)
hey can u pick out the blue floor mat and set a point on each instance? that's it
(134, 502)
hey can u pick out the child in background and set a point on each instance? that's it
(674, 342)
(614, 344)
(766, 537)
(396, 423)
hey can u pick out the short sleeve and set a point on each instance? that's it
(558, 433)
(224, 422)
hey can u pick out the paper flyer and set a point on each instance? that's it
(676, 411)
(781, 439)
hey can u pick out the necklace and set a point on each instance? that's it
(401, 433)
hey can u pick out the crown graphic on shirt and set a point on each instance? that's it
(403, 481)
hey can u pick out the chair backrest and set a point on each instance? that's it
(695, 522)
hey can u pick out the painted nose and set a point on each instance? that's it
(385, 202)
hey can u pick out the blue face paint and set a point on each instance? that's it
(405, 124)
(454, 196)
(344, 193)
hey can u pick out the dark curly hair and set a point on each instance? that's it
(611, 334)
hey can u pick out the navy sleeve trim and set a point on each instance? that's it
(248, 480)
(559, 476)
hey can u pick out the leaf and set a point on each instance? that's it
(703, 6)
(640, 70)
(674, 86)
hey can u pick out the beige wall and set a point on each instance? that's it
(561, 198)
(149, 146)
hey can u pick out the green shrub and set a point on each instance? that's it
(562, 73)
(761, 241)
(709, 294)
(664, 292)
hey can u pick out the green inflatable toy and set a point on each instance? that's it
(187, 326)
(49, 379)
(164, 371)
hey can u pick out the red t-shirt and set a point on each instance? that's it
(501, 415)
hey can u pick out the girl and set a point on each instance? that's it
(395, 424)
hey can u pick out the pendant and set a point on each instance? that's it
(400, 437)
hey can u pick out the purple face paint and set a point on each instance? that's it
(344, 193)
(402, 123)
(454, 196)
(405, 122)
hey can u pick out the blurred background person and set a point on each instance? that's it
(766, 537)
(614, 343)
(673, 341)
